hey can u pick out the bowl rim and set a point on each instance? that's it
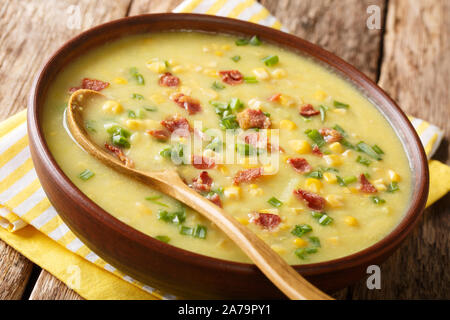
(387, 243)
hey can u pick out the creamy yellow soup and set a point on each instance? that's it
(338, 180)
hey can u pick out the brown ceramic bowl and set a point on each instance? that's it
(179, 271)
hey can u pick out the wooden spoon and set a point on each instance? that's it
(169, 182)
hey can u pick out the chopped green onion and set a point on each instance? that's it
(187, 231)
(200, 232)
(131, 114)
(323, 112)
(137, 76)
(140, 113)
(377, 200)
(340, 130)
(236, 104)
(244, 149)
(315, 174)
(306, 119)
(311, 250)
(301, 253)
(275, 202)
(165, 239)
(250, 80)
(347, 144)
(166, 153)
(315, 136)
(350, 179)
(255, 41)
(120, 141)
(154, 199)
(150, 109)
(377, 149)
(363, 161)
(177, 217)
(322, 218)
(364, 147)
(217, 86)
(242, 42)
(137, 96)
(89, 124)
(86, 175)
(270, 60)
(340, 181)
(301, 229)
(229, 122)
(392, 187)
(340, 105)
(315, 241)
(236, 58)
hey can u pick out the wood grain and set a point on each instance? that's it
(49, 288)
(415, 72)
(146, 6)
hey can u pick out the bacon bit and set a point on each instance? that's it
(316, 151)
(191, 105)
(308, 110)
(231, 77)
(313, 200)
(300, 165)
(366, 186)
(251, 118)
(266, 220)
(202, 183)
(120, 155)
(162, 135)
(178, 124)
(330, 135)
(168, 80)
(215, 199)
(91, 84)
(248, 175)
(275, 97)
(202, 163)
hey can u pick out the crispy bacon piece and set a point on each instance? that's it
(120, 155)
(308, 110)
(275, 97)
(191, 105)
(255, 140)
(161, 134)
(313, 200)
(178, 124)
(316, 151)
(214, 198)
(203, 182)
(300, 165)
(251, 118)
(168, 80)
(266, 220)
(248, 175)
(91, 84)
(202, 163)
(366, 186)
(330, 135)
(231, 77)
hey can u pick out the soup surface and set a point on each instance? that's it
(290, 149)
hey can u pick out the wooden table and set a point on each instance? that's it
(408, 57)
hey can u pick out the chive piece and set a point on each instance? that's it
(315, 174)
(392, 187)
(311, 250)
(90, 125)
(323, 111)
(137, 96)
(120, 141)
(217, 86)
(315, 241)
(140, 113)
(200, 232)
(363, 161)
(347, 144)
(340, 105)
(350, 179)
(241, 42)
(150, 109)
(236, 58)
(377, 149)
(250, 80)
(131, 114)
(244, 149)
(235, 104)
(275, 202)
(377, 200)
(173, 217)
(301, 229)
(341, 181)
(165, 239)
(270, 60)
(340, 130)
(322, 218)
(315, 136)
(364, 147)
(301, 253)
(229, 122)
(154, 199)
(166, 153)
(86, 175)
(137, 76)
(306, 119)
(187, 231)
(255, 41)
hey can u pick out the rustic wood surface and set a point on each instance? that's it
(409, 56)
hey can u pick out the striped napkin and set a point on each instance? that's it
(24, 205)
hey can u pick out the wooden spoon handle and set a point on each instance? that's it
(268, 261)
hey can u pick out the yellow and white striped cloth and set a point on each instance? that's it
(23, 201)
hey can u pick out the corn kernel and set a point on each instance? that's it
(218, 53)
(296, 210)
(278, 249)
(210, 73)
(151, 124)
(243, 221)
(270, 169)
(278, 73)
(380, 186)
(270, 210)
(157, 98)
(300, 146)
(177, 69)
(340, 111)
(320, 95)
(287, 124)
(330, 177)
(353, 190)
(300, 243)
(313, 185)
(351, 221)
(143, 208)
(119, 80)
(334, 201)
(232, 192)
(394, 176)
(336, 147)
(333, 240)
(256, 192)
(134, 124)
(253, 186)
(222, 168)
(112, 106)
(261, 73)
(156, 66)
(287, 101)
(206, 49)
(226, 47)
(333, 160)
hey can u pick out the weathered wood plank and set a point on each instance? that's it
(146, 6)
(415, 72)
(49, 288)
(338, 26)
